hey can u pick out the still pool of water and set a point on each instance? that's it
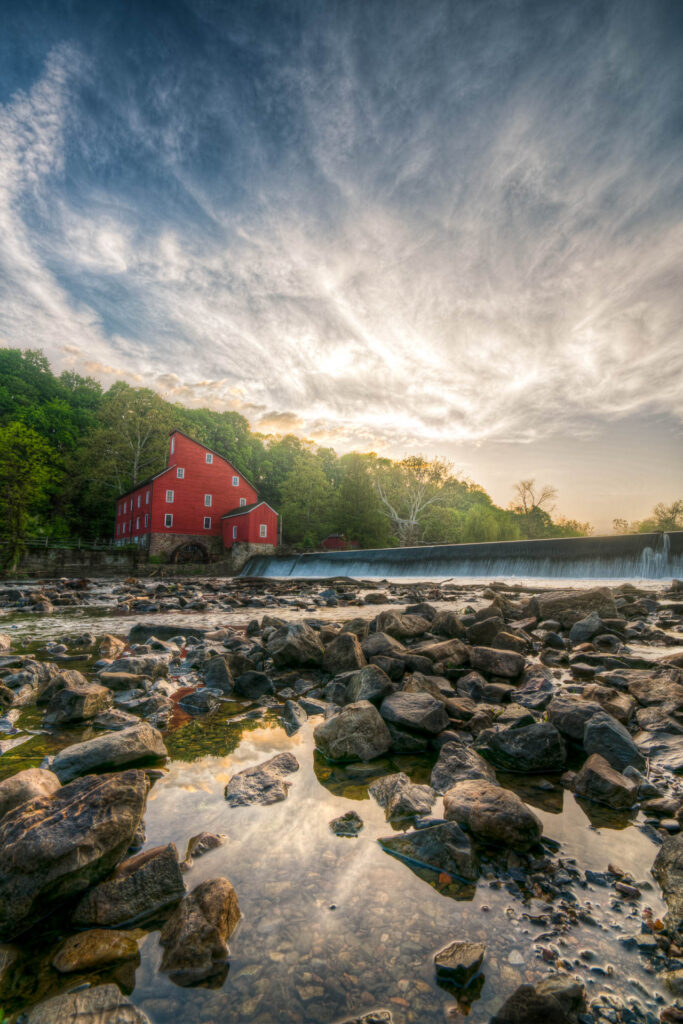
(333, 926)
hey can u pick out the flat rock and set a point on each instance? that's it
(134, 745)
(262, 784)
(459, 961)
(94, 949)
(195, 937)
(444, 847)
(357, 733)
(556, 999)
(493, 662)
(569, 606)
(492, 814)
(101, 1005)
(56, 847)
(140, 888)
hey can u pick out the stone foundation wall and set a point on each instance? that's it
(167, 543)
(81, 562)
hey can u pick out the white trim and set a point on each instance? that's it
(137, 523)
(170, 497)
(235, 481)
(234, 533)
(209, 458)
(207, 522)
(263, 530)
(180, 472)
(172, 445)
(208, 500)
(243, 502)
(168, 519)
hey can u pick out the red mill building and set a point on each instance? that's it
(199, 506)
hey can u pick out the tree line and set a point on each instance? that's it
(68, 448)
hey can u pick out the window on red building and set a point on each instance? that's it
(180, 473)
(208, 499)
(234, 533)
(263, 530)
(209, 458)
(168, 519)
(243, 502)
(207, 522)
(235, 481)
(170, 496)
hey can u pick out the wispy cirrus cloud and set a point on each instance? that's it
(457, 222)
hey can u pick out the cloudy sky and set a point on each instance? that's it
(446, 227)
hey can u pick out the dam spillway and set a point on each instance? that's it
(634, 556)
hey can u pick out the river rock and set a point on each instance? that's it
(343, 654)
(373, 1017)
(101, 1005)
(370, 683)
(600, 782)
(253, 685)
(262, 784)
(94, 949)
(55, 847)
(348, 824)
(604, 735)
(152, 665)
(218, 676)
(357, 733)
(402, 798)
(492, 814)
(402, 627)
(485, 630)
(459, 763)
(403, 741)
(111, 646)
(136, 744)
(195, 937)
(140, 888)
(659, 686)
(619, 705)
(293, 717)
(557, 999)
(417, 682)
(444, 847)
(668, 870)
(585, 629)
(529, 748)
(382, 644)
(570, 714)
(26, 785)
(200, 701)
(493, 662)
(459, 961)
(447, 623)
(453, 652)
(569, 606)
(417, 711)
(296, 646)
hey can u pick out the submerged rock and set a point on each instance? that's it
(356, 733)
(262, 784)
(139, 888)
(493, 814)
(444, 847)
(54, 848)
(348, 824)
(195, 937)
(557, 999)
(101, 1005)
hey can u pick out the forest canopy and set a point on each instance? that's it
(68, 448)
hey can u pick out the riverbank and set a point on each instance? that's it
(512, 758)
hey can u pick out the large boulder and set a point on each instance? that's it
(369, 683)
(217, 675)
(600, 782)
(103, 1004)
(570, 714)
(446, 623)
(137, 744)
(586, 629)
(357, 733)
(139, 888)
(382, 644)
(252, 685)
(452, 652)
(402, 627)
(459, 763)
(662, 685)
(604, 735)
(442, 847)
(492, 814)
(668, 870)
(56, 847)
(264, 783)
(195, 937)
(296, 646)
(619, 705)
(402, 798)
(417, 711)
(569, 606)
(529, 748)
(343, 654)
(26, 785)
(493, 662)
(93, 950)
(77, 702)
(557, 999)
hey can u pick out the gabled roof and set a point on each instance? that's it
(143, 483)
(244, 510)
(214, 452)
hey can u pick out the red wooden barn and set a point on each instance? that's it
(199, 505)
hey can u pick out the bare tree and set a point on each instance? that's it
(528, 497)
(407, 489)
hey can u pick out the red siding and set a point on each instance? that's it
(248, 527)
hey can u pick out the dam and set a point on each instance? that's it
(652, 556)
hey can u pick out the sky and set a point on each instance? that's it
(453, 228)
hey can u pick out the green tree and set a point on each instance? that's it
(307, 502)
(359, 511)
(24, 477)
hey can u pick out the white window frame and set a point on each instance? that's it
(243, 502)
(139, 500)
(234, 533)
(208, 500)
(124, 507)
(170, 497)
(168, 519)
(235, 481)
(123, 529)
(146, 519)
(207, 522)
(172, 445)
(137, 523)
(180, 472)
(147, 498)
(263, 530)
(209, 458)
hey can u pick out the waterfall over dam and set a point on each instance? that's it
(635, 556)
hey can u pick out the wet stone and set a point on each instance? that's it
(262, 784)
(459, 961)
(348, 824)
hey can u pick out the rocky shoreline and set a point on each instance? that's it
(482, 686)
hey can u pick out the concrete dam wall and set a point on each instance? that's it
(639, 556)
